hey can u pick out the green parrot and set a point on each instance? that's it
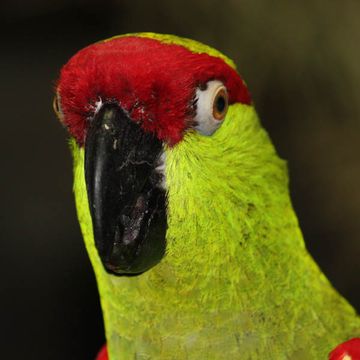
(185, 211)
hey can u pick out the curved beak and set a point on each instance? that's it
(127, 202)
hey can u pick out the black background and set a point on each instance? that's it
(301, 62)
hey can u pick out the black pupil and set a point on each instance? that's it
(220, 104)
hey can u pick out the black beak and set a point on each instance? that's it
(127, 203)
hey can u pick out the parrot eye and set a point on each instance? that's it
(220, 104)
(57, 108)
(212, 104)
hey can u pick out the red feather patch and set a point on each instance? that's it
(103, 354)
(349, 350)
(154, 82)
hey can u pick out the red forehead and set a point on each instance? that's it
(154, 82)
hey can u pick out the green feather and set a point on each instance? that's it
(237, 281)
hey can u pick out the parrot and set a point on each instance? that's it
(184, 207)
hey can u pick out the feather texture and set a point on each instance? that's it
(237, 281)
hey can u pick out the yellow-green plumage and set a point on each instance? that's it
(237, 281)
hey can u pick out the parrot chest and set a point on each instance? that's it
(149, 319)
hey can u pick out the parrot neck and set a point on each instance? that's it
(264, 298)
(236, 278)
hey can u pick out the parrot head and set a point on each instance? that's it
(177, 182)
(152, 115)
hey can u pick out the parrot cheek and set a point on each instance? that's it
(126, 197)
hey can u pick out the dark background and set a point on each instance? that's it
(301, 62)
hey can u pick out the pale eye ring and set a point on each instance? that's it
(212, 103)
(220, 103)
(57, 108)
